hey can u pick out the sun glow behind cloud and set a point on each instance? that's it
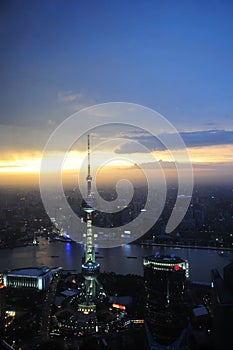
(212, 154)
(24, 166)
(20, 164)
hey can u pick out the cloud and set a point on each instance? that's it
(23, 138)
(70, 96)
(209, 124)
(10, 166)
(143, 145)
(207, 138)
(75, 101)
(191, 139)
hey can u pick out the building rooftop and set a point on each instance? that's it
(123, 300)
(69, 293)
(164, 258)
(30, 271)
(200, 311)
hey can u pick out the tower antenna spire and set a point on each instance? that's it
(89, 160)
(89, 178)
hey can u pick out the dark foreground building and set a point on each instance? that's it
(164, 278)
(222, 308)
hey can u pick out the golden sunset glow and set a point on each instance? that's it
(212, 154)
(20, 165)
(26, 166)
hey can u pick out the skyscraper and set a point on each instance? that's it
(222, 307)
(164, 278)
(2, 308)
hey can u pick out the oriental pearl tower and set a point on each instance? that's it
(90, 268)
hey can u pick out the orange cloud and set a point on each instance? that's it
(24, 168)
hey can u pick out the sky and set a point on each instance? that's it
(57, 57)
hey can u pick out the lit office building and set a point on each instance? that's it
(164, 278)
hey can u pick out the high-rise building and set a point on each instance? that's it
(2, 308)
(228, 276)
(2, 300)
(222, 308)
(164, 278)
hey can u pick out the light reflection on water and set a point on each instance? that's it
(69, 256)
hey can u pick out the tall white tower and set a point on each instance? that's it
(90, 268)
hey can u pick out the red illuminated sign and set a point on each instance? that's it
(176, 267)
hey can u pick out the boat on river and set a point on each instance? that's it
(223, 252)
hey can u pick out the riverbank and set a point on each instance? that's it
(180, 245)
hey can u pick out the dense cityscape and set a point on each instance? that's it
(170, 310)
(44, 307)
(116, 168)
(208, 221)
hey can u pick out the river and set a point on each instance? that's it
(69, 256)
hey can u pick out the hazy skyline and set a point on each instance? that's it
(58, 57)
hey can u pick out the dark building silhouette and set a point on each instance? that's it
(228, 276)
(2, 300)
(164, 296)
(222, 304)
(2, 308)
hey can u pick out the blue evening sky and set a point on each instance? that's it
(175, 56)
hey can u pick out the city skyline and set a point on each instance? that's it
(175, 58)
